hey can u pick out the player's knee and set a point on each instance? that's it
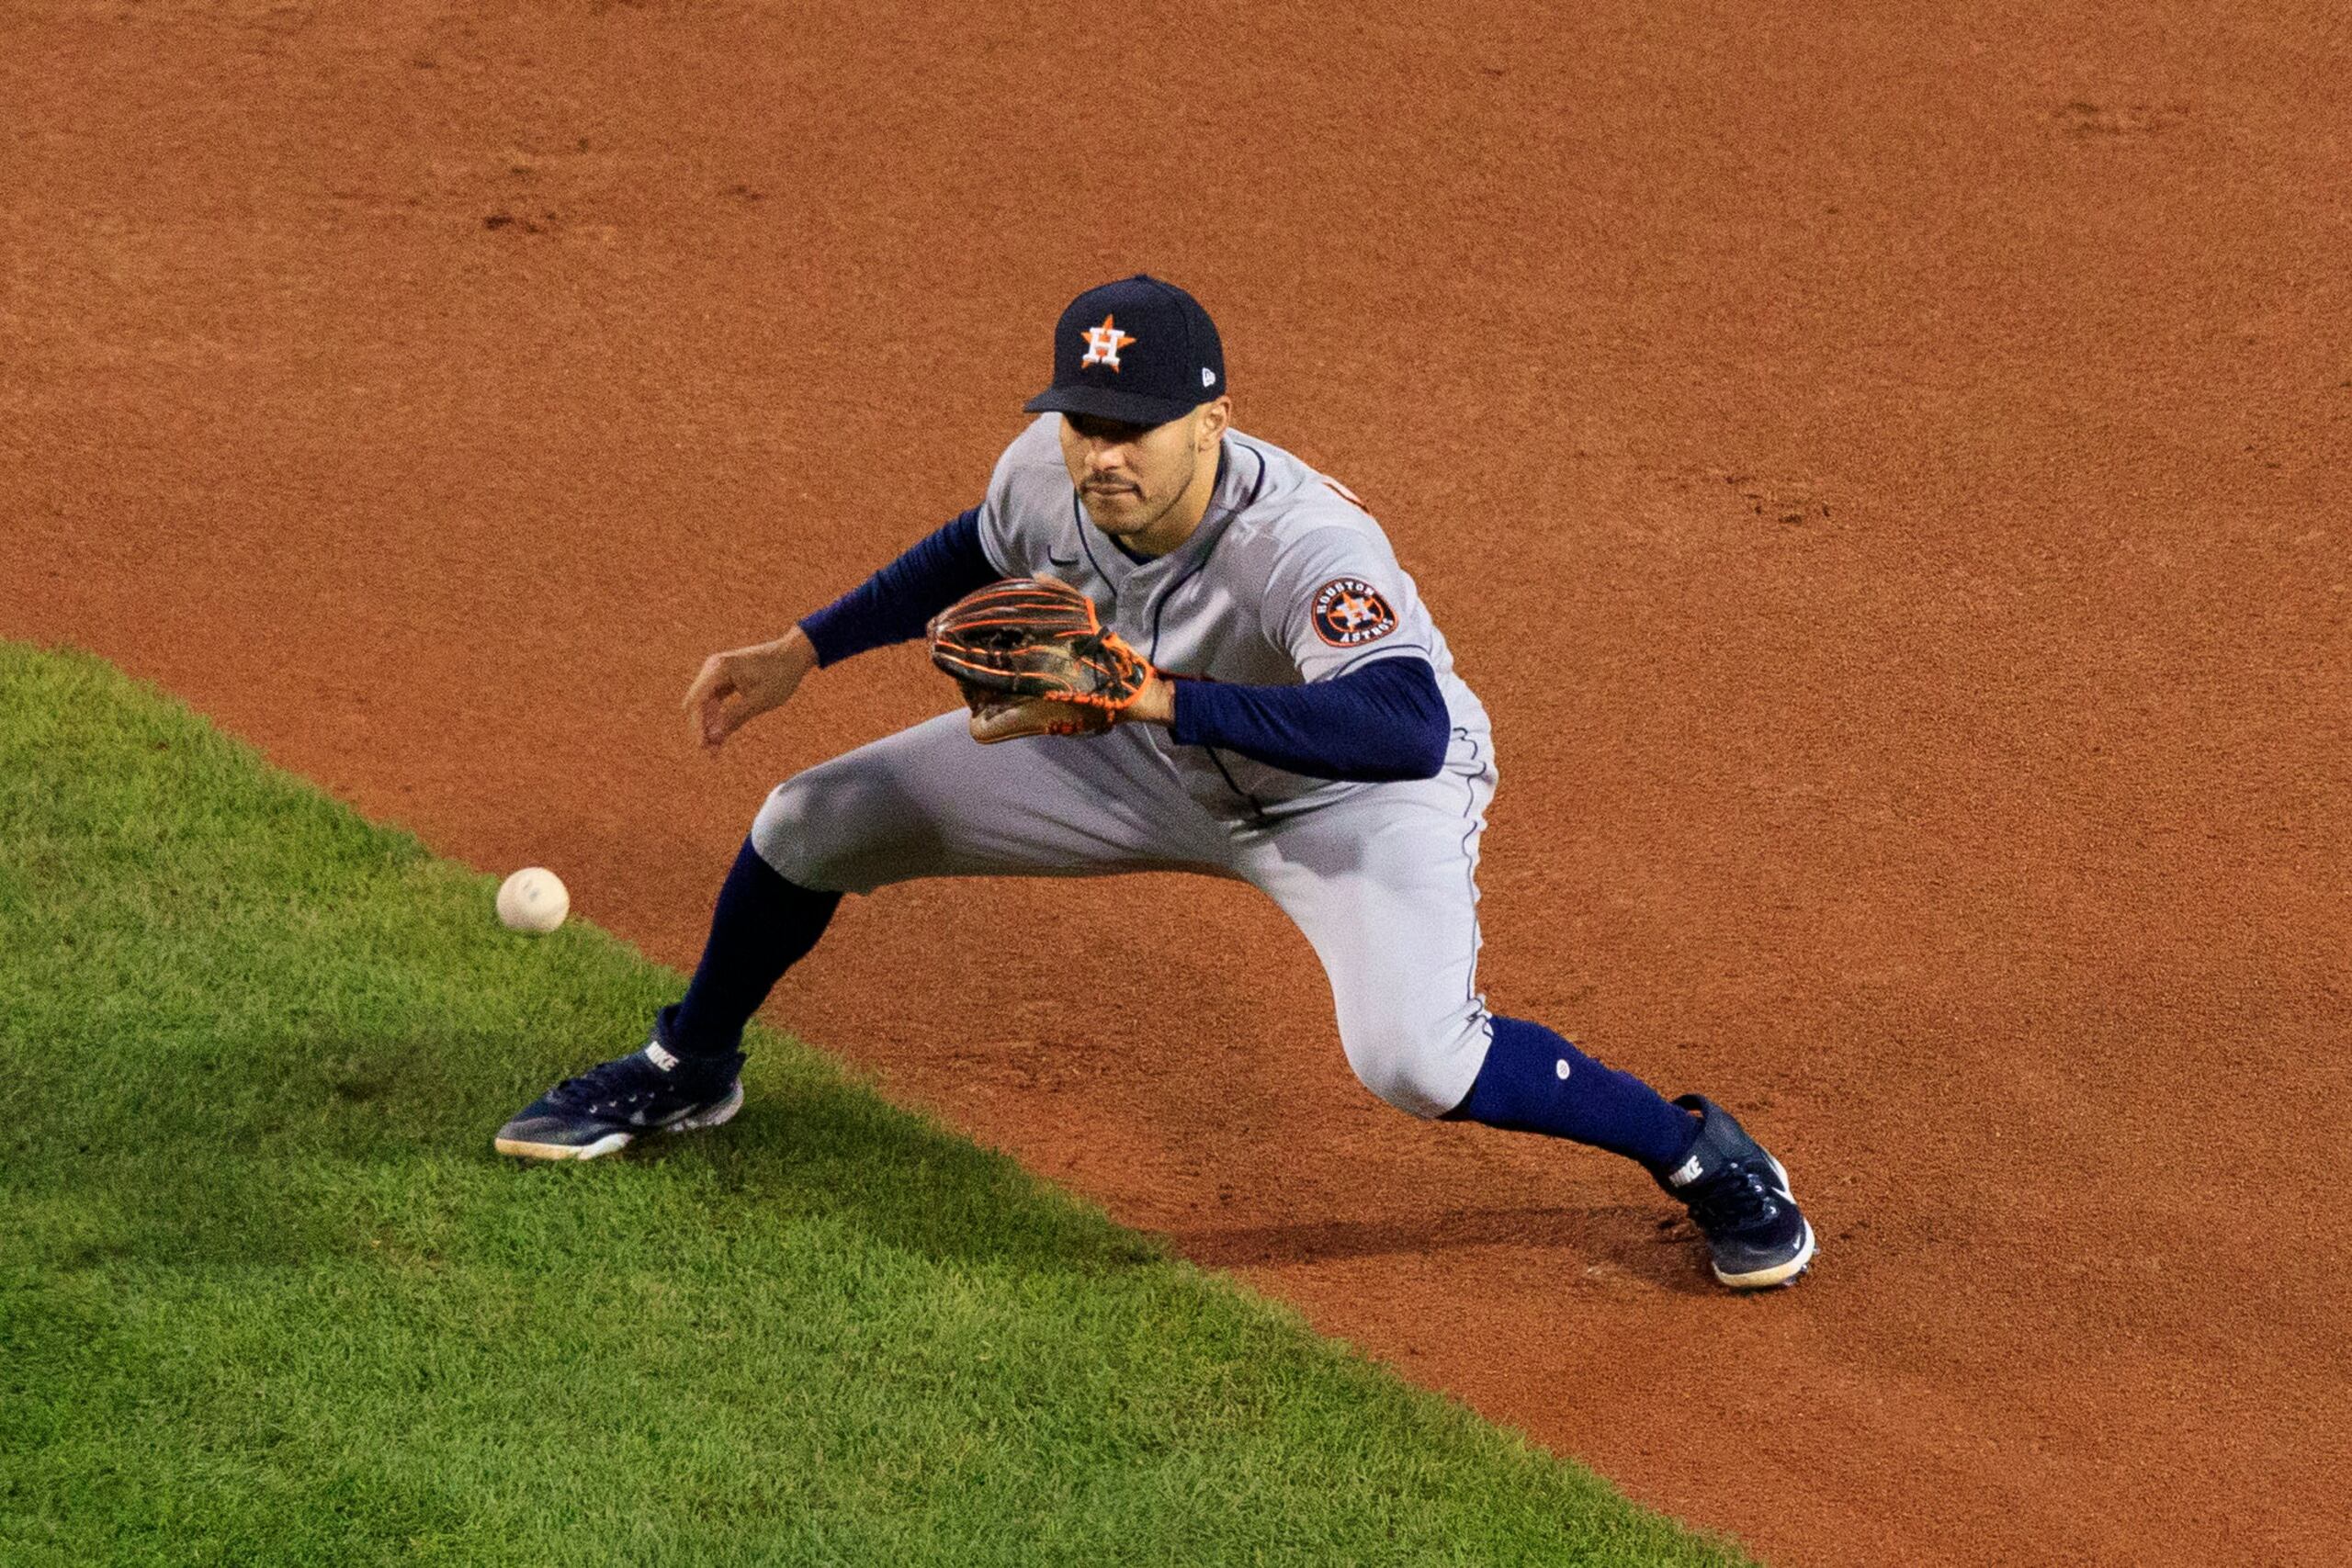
(1423, 1066)
(797, 832)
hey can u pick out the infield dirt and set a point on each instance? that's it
(1888, 482)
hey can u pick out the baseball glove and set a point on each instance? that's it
(1032, 659)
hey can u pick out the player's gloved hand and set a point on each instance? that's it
(1032, 657)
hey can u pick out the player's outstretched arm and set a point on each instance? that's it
(739, 685)
(892, 605)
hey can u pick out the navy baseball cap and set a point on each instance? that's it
(1139, 351)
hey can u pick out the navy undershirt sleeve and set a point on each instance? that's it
(1383, 721)
(894, 604)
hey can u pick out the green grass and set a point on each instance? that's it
(266, 1295)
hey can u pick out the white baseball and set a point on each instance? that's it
(532, 900)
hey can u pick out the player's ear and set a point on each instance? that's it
(1216, 418)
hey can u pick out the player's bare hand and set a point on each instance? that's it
(739, 685)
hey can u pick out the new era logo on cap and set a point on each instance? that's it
(1139, 351)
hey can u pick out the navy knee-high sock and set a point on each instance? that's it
(762, 926)
(1534, 1081)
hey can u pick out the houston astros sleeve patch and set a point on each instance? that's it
(1347, 611)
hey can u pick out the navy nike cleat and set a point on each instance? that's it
(607, 1108)
(1740, 1199)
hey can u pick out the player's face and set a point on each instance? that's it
(1131, 478)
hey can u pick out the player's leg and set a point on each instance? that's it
(1385, 887)
(925, 802)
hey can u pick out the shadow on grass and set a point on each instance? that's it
(220, 1160)
(810, 1144)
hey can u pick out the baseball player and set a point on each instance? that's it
(1263, 697)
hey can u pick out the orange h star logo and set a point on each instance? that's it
(1102, 345)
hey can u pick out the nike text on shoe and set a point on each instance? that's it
(1739, 1199)
(608, 1107)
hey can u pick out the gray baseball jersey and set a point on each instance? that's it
(1286, 579)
